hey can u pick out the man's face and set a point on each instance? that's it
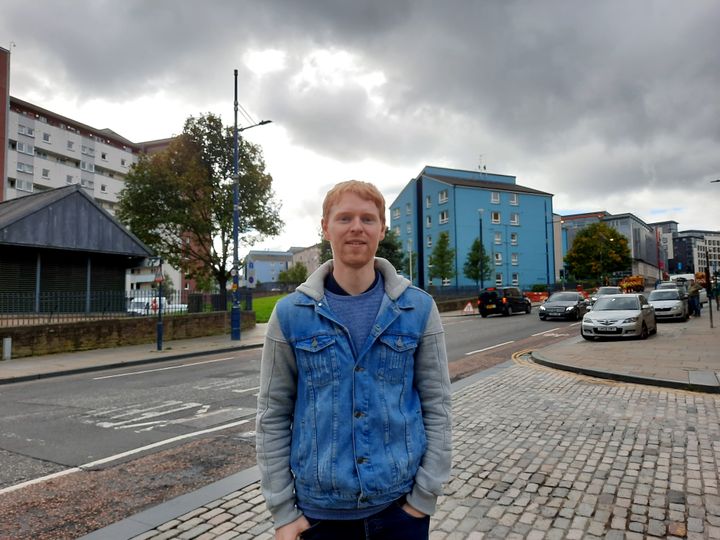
(354, 229)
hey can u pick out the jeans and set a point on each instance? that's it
(393, 523)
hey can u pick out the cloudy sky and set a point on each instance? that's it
(609, 105)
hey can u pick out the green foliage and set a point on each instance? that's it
(391, 248)
(598, 250)
(442, 259)
(180, 201)
(477, 263)
(539, 287)
(263, 307)
(325, 251)
(297, 273)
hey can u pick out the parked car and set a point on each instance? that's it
(138, 308)
(504, 300)
(669, 304)
(602, 291)
(619, 315)
(665, 285)
(564, 305)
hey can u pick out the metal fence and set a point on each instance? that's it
(27, 308)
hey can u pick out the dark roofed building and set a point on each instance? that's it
(61, 242)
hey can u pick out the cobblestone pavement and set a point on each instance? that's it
(541, 454)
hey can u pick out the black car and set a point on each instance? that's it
(504, 300)
(564, 305)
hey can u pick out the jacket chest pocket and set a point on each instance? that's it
(316, 358)
(397, 356)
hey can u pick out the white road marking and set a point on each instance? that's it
(247, 390)
(162, 369)
(110, 459)
(488, 348)
(546, 331)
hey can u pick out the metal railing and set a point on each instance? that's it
(27, 308)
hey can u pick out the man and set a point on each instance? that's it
(353, 423)
(694, 298)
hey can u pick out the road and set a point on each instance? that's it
(177, 425)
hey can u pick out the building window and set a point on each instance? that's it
(122, 162)
(85, 166)
(103, 188)
(495, 197)
(514, 199)
(428, 201)
(495, 217)
(498, 237)
(69, 179)
(46, 137)
(515, 278)
(25, 167)
(428, 221)
(408, 209)
(70, 145)
(89, 184)
(25, 148)
(498, 258)
(46, 173)
(499, 279)
(408, 228)
(396, 213)
(514, 259)
(514, 218)
(514, 239)
(443, 196)
(24, 185)
(396, 230)
(27, 131)
(88, 151)
(103, 155)
(429, 241)
(443, 217)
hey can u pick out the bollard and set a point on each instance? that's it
(7, 348)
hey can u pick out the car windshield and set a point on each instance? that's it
(616, 303)
(667, 286)
(608, 290)
(670, 294)
(563, 297)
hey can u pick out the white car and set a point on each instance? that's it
(669, 304)
(619, 315)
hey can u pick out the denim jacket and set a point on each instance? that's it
(345, 432)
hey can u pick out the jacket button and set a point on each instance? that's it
(359, 368)
(361, 460)
(358, 414)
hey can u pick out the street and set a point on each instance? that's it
(92, 420)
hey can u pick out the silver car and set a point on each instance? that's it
(669, 304)
(619, 315)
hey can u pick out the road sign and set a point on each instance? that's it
(469, 310)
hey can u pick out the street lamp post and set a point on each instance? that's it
(482, 251)
(235, 311)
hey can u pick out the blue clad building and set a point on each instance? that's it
(516, 224)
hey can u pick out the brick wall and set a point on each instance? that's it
(83, 336)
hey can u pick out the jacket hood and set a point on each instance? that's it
(395, 284)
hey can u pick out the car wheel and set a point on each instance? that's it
(542, 317)
(528, 308)
(644, 332)
(589, 338)
(506, 311)
(483, 313)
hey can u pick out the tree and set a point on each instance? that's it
(180, 201)
(598, 250)
(325, 250)
(477, 263)
(297, 273)
(391, 248)
(442, 259)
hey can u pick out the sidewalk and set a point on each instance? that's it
(539, 453)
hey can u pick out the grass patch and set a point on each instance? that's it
(263, 307)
